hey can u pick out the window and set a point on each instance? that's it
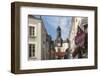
(31, 31)
(31, 50)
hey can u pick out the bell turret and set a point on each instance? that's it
(58, 38)
(58, 31)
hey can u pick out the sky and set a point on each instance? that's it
(52, 22)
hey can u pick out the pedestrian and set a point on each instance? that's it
(66, 54)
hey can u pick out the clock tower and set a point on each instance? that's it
(58, 41)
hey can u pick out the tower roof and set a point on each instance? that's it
(58, 28)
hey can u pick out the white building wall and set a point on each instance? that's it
(44, 43)
(37, 38)
(43, 39)
(75, 23)
(38, 51)
(41, 46)
(63, 48)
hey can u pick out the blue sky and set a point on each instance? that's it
(52, 22)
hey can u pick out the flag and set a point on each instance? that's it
(80, 37)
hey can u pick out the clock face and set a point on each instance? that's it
(59, 44)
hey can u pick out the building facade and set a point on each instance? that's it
(61, 45)
(38, 39)
(77, 33)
